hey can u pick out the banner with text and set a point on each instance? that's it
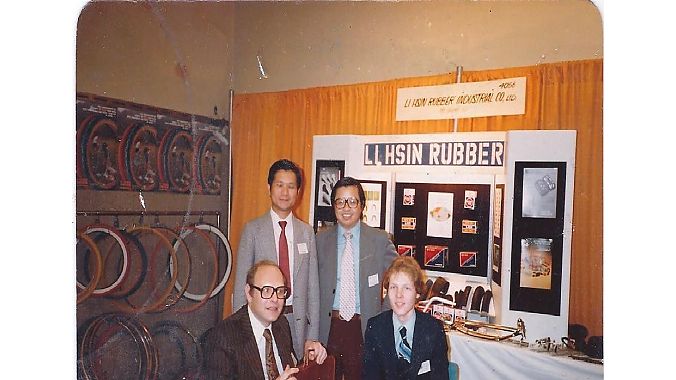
(457, 153)
(462, 100)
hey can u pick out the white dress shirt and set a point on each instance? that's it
(258, 329)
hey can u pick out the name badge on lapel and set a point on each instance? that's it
(373, 280)
(302, 248)
(424, 367)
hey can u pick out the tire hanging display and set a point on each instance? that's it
(209, 159)
(114, 233)
(176, 160)
(228, 259)
(149, 305)
(93, 250)
(100, 153)
(107, 332)
(139, 157)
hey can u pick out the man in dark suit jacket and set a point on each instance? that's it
(260, 240)
(373, 253)
(238, 348)
(391, 350)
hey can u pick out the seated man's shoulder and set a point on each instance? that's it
(381, 317)
(230, 325)
(379, 233)
(430, 321)
(325, 232)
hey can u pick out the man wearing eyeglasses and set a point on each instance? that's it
(352, 259)
(254, 343)
(279, 236)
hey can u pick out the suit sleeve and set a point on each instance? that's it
(313, 290)
(371, 365)
(245, 260)
(218, 361)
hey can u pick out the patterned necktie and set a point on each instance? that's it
(270, 363)
(347, 291)
(404, 347)
(284, 255)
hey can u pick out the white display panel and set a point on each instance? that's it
(481, 158)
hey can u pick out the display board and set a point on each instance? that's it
(444, 226)
(121, 145)
(434, 180)
(537, 237)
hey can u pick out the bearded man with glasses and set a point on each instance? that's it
(352, 258)
(254, 343)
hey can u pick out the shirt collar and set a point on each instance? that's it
(410, 324)
(256, 325)
(355, 230)
(276, 218)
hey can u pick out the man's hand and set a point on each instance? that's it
(288, 371)
(314, 351)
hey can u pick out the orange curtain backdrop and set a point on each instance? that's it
(566, 95)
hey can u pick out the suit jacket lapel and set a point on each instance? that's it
(331, 251)
(297, 239)
(248, 341)
(365, 258)
(389, 350)
(282, 338)
(267, 234)
(418, 345)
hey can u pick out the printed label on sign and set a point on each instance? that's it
(302, 248)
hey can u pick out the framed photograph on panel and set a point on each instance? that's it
(376, 202)
(536, 263)
(440, 214)
(328, 176)
(327, 173)
(539, 193)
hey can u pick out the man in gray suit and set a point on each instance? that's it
(352, 260)
(282, 238)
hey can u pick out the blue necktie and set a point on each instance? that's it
(404, 347)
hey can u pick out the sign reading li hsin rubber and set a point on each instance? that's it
(462, 100)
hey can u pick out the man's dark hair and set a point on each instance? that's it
(284, 164)
(346, 182)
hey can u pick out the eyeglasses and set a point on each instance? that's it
(282, 292)
(341, 202)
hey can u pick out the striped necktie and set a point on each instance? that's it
(404, 348)
(347, 291)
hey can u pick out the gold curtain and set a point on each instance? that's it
(565, 95)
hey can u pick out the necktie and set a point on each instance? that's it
(347, 291)
(404, 347)
(270, 363)
(284, 256)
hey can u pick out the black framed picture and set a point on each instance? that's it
(327, 173)
(537, 237)
(376, 202)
